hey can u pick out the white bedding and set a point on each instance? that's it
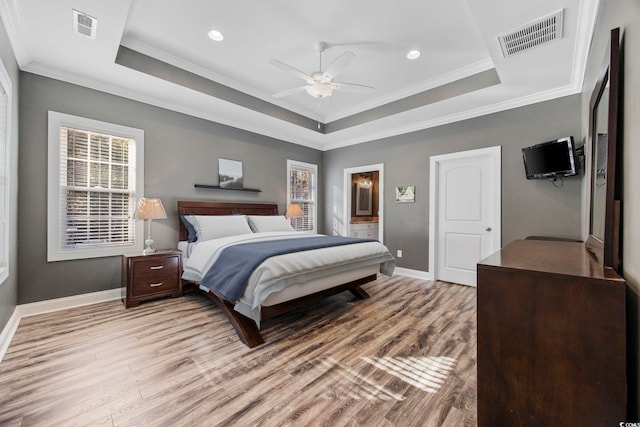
(282, 271)
(185, 247)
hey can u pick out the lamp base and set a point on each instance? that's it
(149, 250)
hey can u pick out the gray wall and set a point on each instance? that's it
(180, 151)
(626, 15)
(174, 141)
(529, 207)
(9, 289)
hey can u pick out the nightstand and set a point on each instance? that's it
(151, 276)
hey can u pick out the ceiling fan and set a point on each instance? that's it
(320, 84)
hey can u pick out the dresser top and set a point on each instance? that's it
(547, 256)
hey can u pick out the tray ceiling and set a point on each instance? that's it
(159, 52)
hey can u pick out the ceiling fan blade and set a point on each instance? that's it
(289, 92)
(291, 70)
(338, 65)
(352, 87)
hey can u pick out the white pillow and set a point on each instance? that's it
(261, 224)
(214, 227)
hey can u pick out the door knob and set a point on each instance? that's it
(488, 228)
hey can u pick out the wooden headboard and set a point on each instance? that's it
(221, 208)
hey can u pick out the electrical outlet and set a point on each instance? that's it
(399, 253)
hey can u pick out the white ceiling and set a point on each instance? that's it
(457, 38)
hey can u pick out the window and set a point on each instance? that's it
(5, 170)
(302, 189)
(95, 177)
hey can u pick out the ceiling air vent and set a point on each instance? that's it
(84, 24)
(535, 33)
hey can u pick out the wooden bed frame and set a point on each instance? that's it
(245, 327)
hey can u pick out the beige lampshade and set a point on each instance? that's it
(294, 210)
(149, 208)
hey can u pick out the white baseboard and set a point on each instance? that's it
(7, 333)
(417, 274)
(41, 307)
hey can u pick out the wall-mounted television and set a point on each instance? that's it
(550, 159)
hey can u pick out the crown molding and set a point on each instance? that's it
(460, 73)
(184, 64)
(587, 17)
(457, 117)
(259, 125)
(11, 18)
(169, 58)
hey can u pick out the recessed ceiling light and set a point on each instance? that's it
(414, 54)
(216, 35)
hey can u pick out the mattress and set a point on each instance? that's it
(300, 273)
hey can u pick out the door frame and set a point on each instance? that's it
(346, 214)
(435, 199)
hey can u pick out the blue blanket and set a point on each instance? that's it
(229, 274)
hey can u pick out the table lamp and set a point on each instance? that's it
(149, 209)
(293, 211)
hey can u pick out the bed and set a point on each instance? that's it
(281, 281)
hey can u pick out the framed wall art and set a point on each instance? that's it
(406, 194)
(230, 174)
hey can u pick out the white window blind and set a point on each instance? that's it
(97, 183)
(302, 189)
(95, 175)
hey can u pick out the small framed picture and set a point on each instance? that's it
(406, 194)
(230, 174)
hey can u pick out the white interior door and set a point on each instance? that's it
(467, 212)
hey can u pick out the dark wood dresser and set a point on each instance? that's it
(551, 338)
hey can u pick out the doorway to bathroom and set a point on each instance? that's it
(363, 214)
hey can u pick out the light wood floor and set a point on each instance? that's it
(404, 357)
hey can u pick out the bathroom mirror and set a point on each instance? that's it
(604, 213)
(364, 199)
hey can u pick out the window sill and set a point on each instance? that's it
(72, 254)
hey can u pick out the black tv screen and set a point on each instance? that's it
(550, 159)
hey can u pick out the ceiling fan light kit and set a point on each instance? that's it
(319, 90)
(320, 84)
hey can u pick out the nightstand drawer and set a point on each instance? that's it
(153, 285)
(155, 267)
